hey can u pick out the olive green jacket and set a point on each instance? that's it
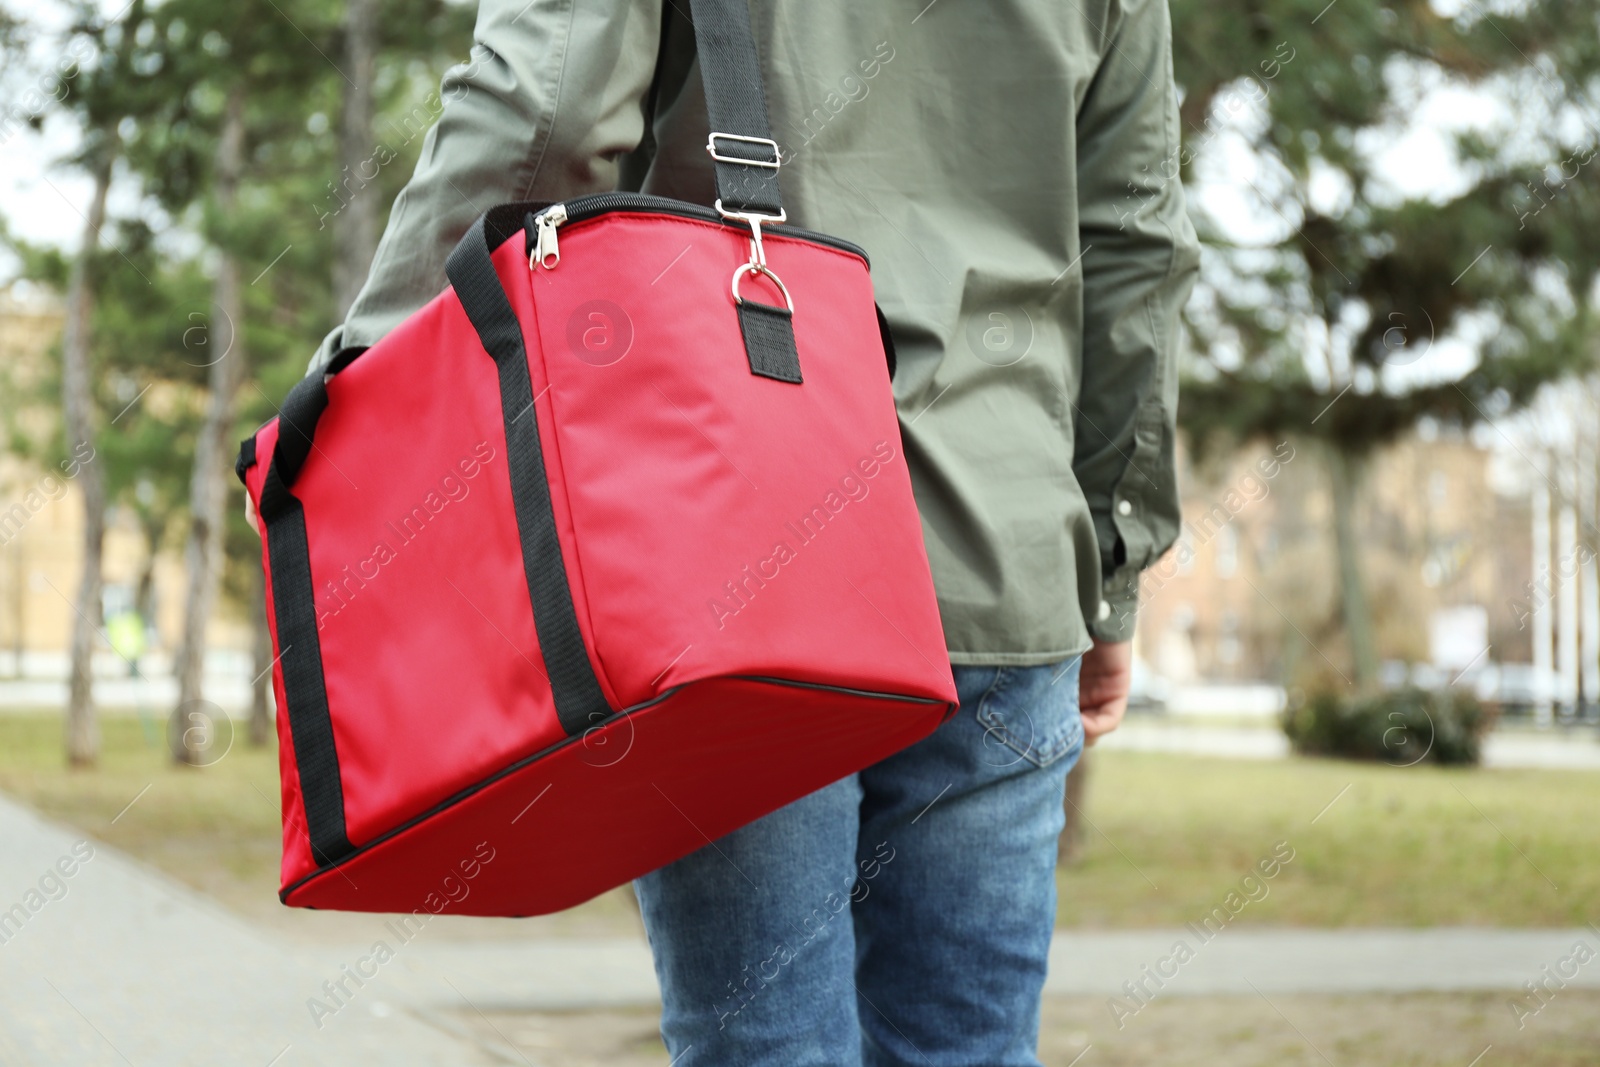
(1010, 167)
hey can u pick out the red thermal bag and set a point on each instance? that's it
(598, 556)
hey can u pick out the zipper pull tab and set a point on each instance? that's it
(546, 252)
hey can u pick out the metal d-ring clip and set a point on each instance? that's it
(758, 251)
(757, 268)
(753, 219)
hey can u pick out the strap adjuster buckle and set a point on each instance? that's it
(773, 164)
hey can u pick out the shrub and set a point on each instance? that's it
(1403, 727)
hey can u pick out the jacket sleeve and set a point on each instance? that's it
(549, 100)
(1140, 256)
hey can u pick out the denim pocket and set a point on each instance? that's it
(1031, 713)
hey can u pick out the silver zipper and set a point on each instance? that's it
(546, 252)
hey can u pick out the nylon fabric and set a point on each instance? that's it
(650, 435)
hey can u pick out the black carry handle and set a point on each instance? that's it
(580, 702)
(294, 603)
(297, 424)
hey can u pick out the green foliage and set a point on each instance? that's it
(150, 402)
(153, 93)
(1401, 728)
(1359, 281)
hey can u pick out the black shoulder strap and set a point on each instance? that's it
(736, 104)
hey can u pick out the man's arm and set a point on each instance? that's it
(549, 100)
(1140, 258)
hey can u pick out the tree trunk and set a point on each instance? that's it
(1071, 848)
(77, 406)
(1344, 480)
(355, 228)
(261, 706)
(19, 606)
(144, 597)
(208, 484)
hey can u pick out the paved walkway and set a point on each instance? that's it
(129, 968)
(1579, 750)
(116, 964)
(564, 975)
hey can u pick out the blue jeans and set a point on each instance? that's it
(901, 915)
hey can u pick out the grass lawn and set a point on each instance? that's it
(1373, 845)
(1170, 835)
(215, 828)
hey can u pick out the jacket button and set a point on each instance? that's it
(1105, 611)
(1124, 508)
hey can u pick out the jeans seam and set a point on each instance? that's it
(1034, 754)
(993, 723)
(996, 684)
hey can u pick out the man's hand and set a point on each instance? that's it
(250, 514)
(1103, 683)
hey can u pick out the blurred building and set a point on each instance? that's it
(41, 521)
(38, 520)
(1251, 589)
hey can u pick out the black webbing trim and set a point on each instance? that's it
(305, 692)
(735, 103)
(300, 660)
(247, 457)
(769, 341)
(302, 410)
(343, 358)
(579, 701)
(297, 425)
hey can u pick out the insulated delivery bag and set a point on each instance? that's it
(607, 551)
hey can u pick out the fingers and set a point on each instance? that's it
(1103, 684)
(1100, 718)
